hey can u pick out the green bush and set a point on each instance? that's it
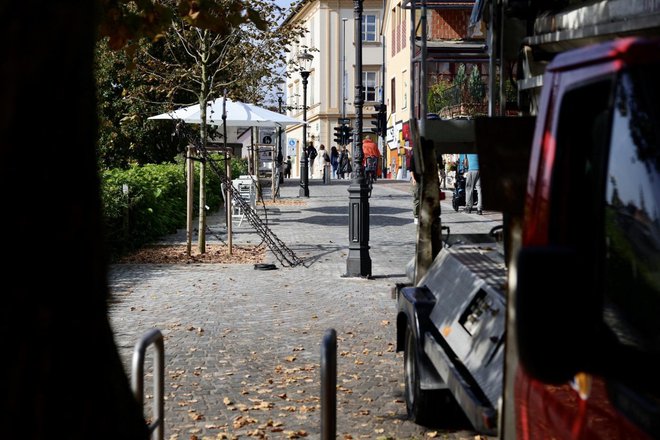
(145, 203)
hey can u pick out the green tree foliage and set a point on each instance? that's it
(124, 137)
(438, 97)
(179, 62)
(475, 86)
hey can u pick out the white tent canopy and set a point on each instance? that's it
(239, 114)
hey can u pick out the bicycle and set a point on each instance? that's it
(370, 172)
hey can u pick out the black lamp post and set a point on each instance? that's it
(280, 175)
(304, 59)
(358, 262)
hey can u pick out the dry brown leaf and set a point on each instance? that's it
(258, 433)
(263, 406)
(196, 417)
(432, 434)
(242, 421)
(215, 426)
(227, 401)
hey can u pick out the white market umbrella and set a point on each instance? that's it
(239, 114)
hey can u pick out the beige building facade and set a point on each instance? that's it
(330, 40)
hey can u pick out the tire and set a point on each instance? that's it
(430, 408)
(418, 404)
(454, 203)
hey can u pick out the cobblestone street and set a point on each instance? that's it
(243, 346)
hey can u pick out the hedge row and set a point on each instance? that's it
(145, 203)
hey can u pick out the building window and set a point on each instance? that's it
(369, 28)
(369, 83)
(393, 95)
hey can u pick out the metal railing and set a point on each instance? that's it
(154, 337)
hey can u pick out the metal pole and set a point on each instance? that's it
(421, 90)
(492, 60)
(413, 51)
(280, 156)
(304, 178)
(343, 72)
(190, 181)
(228, 199)
(276, 171)
(329, 386)
(358, 262)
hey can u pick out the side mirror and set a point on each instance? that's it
(555, 315)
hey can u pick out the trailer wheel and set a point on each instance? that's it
(418, 403)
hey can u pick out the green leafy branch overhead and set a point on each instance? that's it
(127, 21)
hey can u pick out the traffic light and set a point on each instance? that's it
(380, 123)
(376, 125)
(339, 134)
(347, 135)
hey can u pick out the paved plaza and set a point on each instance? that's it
(243, 346)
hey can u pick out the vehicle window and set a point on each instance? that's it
(578, 173)
(632, 293)
(631, 271)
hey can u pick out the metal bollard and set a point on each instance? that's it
(327, 172)
(329, 385)
(156, 428)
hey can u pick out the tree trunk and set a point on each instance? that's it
(429, 241)
(61, 373)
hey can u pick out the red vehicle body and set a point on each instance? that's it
(586, 284)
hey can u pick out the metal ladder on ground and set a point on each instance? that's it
(283, 254)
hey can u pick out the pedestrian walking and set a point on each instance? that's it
(334, 161)
(345, 167)
(442, 173)
(472, 182)
(287, 167)
(311, 155)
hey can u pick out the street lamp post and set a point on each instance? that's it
(304, 59)
(358, 262)
(280, 175)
